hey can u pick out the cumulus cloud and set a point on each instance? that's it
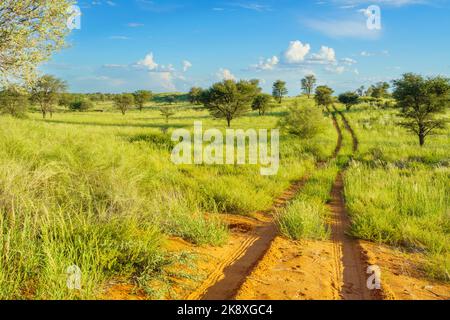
(266, 64)
(225, 74)
(325, 55)
(186, 65)
(148, 62)
(296, 52)
(335, 69)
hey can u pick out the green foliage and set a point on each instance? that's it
(324, 96)
(29, 33)
(279, 90)
(308, 84)
(124, 102)
(81, 105)
(141, 97)
(420, 100)
(195, 95)
(13, 101)
(167, 112)
(349, 99)
(230, 99)
(46, 91)
(305, 122)
(262, 103)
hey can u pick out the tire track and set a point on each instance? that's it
(225, 282)
(350, 262)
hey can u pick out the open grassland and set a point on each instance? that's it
(398, 192)
(98, 190)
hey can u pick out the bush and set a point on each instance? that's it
(305, 122)
(81, 105)
(13, 101)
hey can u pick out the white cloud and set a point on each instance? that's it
(348, 61)
(186, 65)
(266, 64)
(225, 74)
(356, 28)
(148, 62)
(296, 52)
(335, 69)
(325, 55)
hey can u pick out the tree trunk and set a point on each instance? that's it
(44, 114)
(229, 122)
(421, 140)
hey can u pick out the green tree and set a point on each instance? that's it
(262, 103)
(279, 90)
(46, 92)
(195, 95)
(171, 99)
(230, 99)
(380, 90)
(124, 102)
(349, 99)
(30, 31)
(420, 100)
(308, 84)
(361, 91)
(81, 105)
(304, 122)
(324, 96)
(13, 101)
(141, 97)
(167, 112)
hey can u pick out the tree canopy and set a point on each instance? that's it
(419, 100)
(349, 99)
(324, 96)
(30, 31)
(308, 84)
(279, 90)
(230, 99)
(46, 92)
(141, 97)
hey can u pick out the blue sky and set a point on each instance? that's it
(172, 45)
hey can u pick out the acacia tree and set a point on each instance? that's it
(195, 95)
(46, 92)
(349, 99)
(419, 100)
(308, 84)
(262, 103)
(13, 101)
(230, 99)
(279, 90)
(323, 96)
(167, 112)
(30, 31)
(124, 102)
(141, 97)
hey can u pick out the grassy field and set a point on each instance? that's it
(398, 192)
(98, 190)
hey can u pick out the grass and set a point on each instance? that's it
(306, 216)
(98, 190)
(397, 192)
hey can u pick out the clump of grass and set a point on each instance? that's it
(305, 217)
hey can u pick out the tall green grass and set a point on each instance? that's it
(98, 190)
(397, 192)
